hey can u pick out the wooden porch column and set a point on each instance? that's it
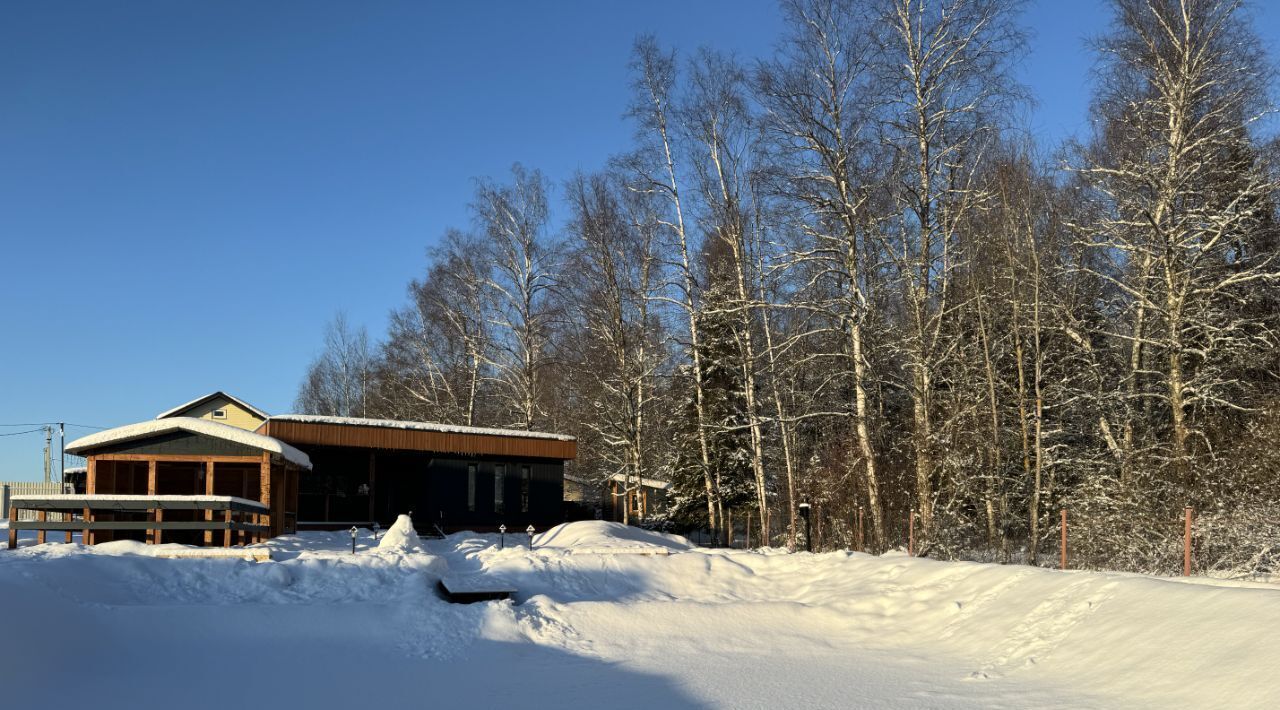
(208, 490)
(42, 516)
(86, 537)
(153, 536)
(13, 534)
(264, 478)
(90, 487)
(226, 534)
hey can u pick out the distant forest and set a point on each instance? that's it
(845, 276)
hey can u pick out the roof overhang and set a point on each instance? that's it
(84, 446)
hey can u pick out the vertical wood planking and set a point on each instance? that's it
(208, 490)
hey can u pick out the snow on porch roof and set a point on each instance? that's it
(201, 400)
(204, 427)
(417, 426)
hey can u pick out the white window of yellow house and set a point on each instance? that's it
(499, 482)
(524, 489)
(471, 486)
(219, 414)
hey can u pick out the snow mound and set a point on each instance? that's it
(604, 536)
(401, 537)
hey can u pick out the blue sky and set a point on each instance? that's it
(189, 191)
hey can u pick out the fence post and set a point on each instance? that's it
(1063, 545)
(911, 533)
(1186, 542)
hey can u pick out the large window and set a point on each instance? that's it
(499, 483)
(524, 489)
(471, 487)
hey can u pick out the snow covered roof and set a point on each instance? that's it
(201, 400)
(203, 427)
(646, 482)
(417, 426)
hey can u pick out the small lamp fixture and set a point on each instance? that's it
(502, 536)
(529, 530)
(376, 528)
(353, 532)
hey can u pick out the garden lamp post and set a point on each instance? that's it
(376, 528)
(502, 536)
(808, 536)
(353, 532)
(529, 530)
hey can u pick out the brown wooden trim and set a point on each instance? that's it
(13, 532)
(358, 436)
(183, 458)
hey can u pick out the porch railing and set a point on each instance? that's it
(237, 518)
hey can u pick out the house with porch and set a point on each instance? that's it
(198, 474)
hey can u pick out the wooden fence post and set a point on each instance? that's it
(1186, 542)
(13, 533)
(1063, 544)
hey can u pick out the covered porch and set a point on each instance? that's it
(181, 480)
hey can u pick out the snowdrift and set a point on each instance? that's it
(401, 537)
(600, 535)
(694, 628)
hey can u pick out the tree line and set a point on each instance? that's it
(844, 275)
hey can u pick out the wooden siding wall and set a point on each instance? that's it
(237, 416)
(178, 443)
(413, 440)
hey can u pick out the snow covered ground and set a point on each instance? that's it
(615, 617)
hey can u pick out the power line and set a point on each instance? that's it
(82, 426)
(18, 433)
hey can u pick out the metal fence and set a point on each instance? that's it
(8, 489)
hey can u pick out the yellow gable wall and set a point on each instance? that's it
(236, 415)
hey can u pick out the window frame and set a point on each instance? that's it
(499, 488)
(526, 481)
(472, 471)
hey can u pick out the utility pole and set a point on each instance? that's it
(62, 453)
(48, 442)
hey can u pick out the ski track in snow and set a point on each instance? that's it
(598, 622)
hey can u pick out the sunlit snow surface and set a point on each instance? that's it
(614, 617)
